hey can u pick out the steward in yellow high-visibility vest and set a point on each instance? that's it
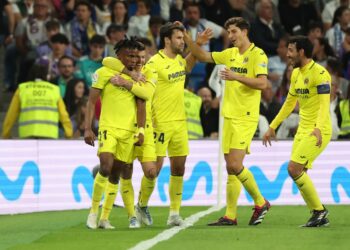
(192, 108)
(39, 106)
(345, 118)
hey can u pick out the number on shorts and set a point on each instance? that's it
(160, 138)
(102, 134)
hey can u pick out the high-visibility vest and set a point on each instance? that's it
(345, 117)
(39, 111)
(192, 108)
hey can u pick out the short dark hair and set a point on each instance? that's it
(239, 22)
(52, 24)
(83, 3)
(115, 28)
(302, 42)
(38, 71)
(192, 4)
(167, 31)
(129, 43)
(66, 57)
(315, 25)
(145, 41)
(59, 38)
(155, 20)
(98, 39)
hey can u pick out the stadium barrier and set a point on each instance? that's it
(44, 175)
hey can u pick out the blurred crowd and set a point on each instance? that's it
(70, 38)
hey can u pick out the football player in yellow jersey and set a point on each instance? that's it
(169, 119)
(246, 76)
(116, 128)
(146, 153)
(310, 87)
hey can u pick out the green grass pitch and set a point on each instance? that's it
(280, 230)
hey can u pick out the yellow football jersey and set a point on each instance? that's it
(150, 75)
(118, 104)
(307, 84)
(168, 100)
(240, 101)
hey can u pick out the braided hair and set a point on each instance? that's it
(129, 43)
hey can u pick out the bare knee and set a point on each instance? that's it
(295, 170)
(126, 172)
(177, 165)
(234, 167)
(151, 173)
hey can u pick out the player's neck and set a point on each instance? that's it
(244, 46)
(169, 53)
(304, 62)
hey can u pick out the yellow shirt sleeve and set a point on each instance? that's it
(113, 63)
(100, 78)
(260, 65)
(323, 92)
(221, 57)
(11, 115)
(64, 119)
(145, 90)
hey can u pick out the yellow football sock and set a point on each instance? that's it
(127, 192)
(233, 189)
(110, 195)
(146, 190)
(99, 187)
(175, 193)
(248, 181)
(308, 191)
(307, 203)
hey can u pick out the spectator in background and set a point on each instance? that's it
(322, 50)
(334, 104)
(52, 28)
(213, 10)
(343, 115)
(315, 31)
(76, 90)
(209, 115)
(87, 65)
(78, 120)
(346, 54)
(59, 44)
(30, 32)
(277, 64)
(119, 15)
(334, 68)
(102, 10)
(115, 33)
(266, 33)
(269, 106)
(238, 8)
(295, 15)
(329, 11)
(153, 34)
(66, 69)
(336, 34)
(282, 91)
(7, 39)
(81, 29)
(193, 105)
(138, 24)
(39, 107)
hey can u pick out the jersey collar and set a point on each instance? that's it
(308, 66)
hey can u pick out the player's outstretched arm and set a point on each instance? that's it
(200, 54)
(270, 134)
(89, 136)
(141, 90)
(202, 38)
(285, 111)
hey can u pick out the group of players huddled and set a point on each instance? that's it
(143, 117)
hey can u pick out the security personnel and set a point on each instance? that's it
(192, 107)
(345, 119)
(39, 106)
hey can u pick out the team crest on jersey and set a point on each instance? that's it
(245, 60)
(306, 81)
(94, 77)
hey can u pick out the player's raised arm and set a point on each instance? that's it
(196, 50)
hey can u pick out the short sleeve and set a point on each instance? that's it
(323, 82)
(261, 61)
(221, 57)
(99, 79)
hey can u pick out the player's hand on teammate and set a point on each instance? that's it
(137, 76)
(89, 137)
(139, 139)
(318, 135)
(227, 74)
(119, 81)
(204, 36)
(270, 134)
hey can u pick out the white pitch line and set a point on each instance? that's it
(167, 234)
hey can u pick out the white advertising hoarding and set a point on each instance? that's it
(43, 175)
